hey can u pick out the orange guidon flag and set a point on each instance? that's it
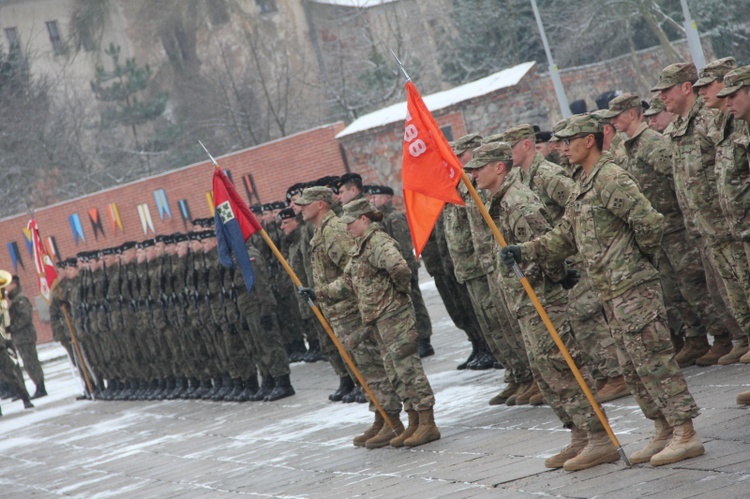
(430, 169)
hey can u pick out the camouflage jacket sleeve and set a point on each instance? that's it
(388, 257)
(554, 246)
(528, 222)
(623, 198)
(398, 229)
(339, 289)
(555, 184)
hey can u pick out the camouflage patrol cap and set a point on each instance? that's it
(356, 209)
(489, 153)
(580, 124)
(735, 80)
(560, 125)
(715, 71)
(621, 104)
(315, 193)
(674, 74)
(518, 133)
(466, 143)
(495, 137)
(655, 107)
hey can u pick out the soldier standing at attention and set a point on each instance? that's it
(612, 224)
(395, 225)
(649, 160)
(657, 116)
(380, 279)
(694, 135)
(24, 334)
(732, 163)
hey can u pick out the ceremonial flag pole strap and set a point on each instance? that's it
(327, 327)
(550, 327)
(319, 315)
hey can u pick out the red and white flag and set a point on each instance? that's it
(45, 268)
(430, 169)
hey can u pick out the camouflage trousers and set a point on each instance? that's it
(731, 264)
(327, 346)
(501, 330)
(424, 324)
(591, 330)
(10, 372)
(398, 333)
(552, 374)
(455, 296)
(690, 308)
(364, 346)
(637, 319)
(28, 353)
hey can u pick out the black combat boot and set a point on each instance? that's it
(313, 353)
(204, 390)
(299, 350)
(227, 386)
(250, 388)
(191, 384)
(175, 386)
(351, 396)
(484, 359)
(282, 389)
(345, 386)
(425, 348)
(99, 389)
(472, 356)
(24, 395)
(237, 387)
(214, 388)
(266, 387)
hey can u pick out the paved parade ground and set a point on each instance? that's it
(301, 446)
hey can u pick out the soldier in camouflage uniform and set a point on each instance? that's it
(649, 159)
(694, 135)
(331, 247)
(732, 171)
(520, 216)
(23, 333)
(10, 372)
(379, 278)
(471, 244)
(657, 115)
(608, 211)
(552, 184)
(733, 165)
(395, 225)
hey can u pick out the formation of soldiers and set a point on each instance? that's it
(629, 222)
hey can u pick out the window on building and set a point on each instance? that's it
(447, 131)
(54, 37)
(266, 6)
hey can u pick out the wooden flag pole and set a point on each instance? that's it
(319, 315)
(76, 345)
(545, 318)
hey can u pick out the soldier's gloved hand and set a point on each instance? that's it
(266, 322)
(306, 293)
(571, 279)
(510, 255)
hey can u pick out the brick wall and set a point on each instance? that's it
(274, 165)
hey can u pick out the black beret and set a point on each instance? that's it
(62, 264)
(267, 207)
(179, 237)
(286, 213)
(381, 189)
(278, 205)
(542, 137)
(71, 262)
(293, 190)
(205, 234)
(349, 177)
(127, 245)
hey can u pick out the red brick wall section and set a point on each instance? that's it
(274, 165)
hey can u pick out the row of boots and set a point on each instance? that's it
(347, 392)
(421, 430)
(529, 393)
(224, 388)
(480, 359)
(697, 351)
(299, 352)
(670, 444)
(9, 392)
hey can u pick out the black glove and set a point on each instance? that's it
(266, 322)
(510, 255)
(306, 293)
(571, 279)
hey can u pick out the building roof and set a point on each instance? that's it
(441, 100)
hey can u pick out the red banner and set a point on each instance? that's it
(45, 268)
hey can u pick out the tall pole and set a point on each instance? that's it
(554, 73)
(693, 37)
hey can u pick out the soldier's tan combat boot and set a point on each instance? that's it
(661, 438)
(359, 440)
(524, 398)
(743, 398)
(578, 440)
(613, 390)
(385, 434)
(745, 359)
(501, 397)
(685, 444)
(537, 399)
(598, 450)
(695, 347)
(521, 389)
(426, 432)
(722, 346)
(413, 424)
(739, 349)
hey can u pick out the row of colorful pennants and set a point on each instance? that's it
(115, 221)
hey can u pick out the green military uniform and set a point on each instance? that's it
(23, 333)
